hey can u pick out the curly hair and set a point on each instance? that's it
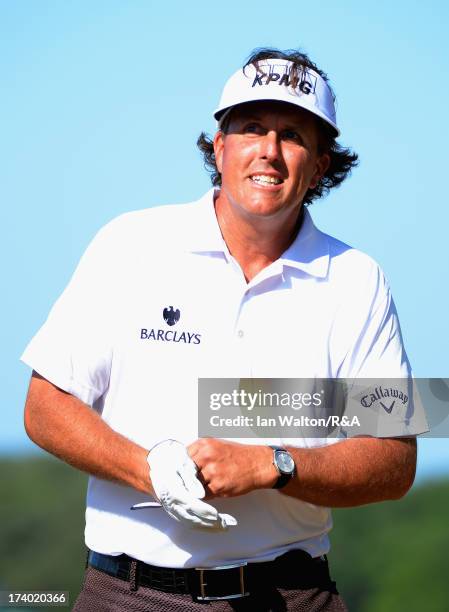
(342, 159)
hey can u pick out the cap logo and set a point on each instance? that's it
(281, 81)
(306, 83)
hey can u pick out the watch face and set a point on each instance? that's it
(285, 462)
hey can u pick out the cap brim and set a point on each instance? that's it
(220, 113)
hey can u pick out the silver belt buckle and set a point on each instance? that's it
(203, 584)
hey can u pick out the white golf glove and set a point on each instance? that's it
(175, 482)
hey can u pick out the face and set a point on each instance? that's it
(269, 158)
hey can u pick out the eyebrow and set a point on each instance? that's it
(256, 116)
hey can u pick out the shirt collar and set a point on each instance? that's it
(309, 251)
(205, 235)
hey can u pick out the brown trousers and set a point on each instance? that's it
(103, 593)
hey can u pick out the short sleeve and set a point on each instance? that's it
(381, 390)
(73, 349)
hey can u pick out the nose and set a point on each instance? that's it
(270, 146)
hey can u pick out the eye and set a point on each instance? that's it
(292, 135)
(252, 128)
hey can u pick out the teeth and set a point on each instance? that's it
(265, 179)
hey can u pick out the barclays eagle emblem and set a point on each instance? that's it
(171, 317)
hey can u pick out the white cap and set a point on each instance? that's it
(272, 81)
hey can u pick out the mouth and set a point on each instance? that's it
(266, 180)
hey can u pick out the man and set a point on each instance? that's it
(240, 284)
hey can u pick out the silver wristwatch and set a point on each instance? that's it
(284, 464)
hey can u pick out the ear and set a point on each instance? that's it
(322, 164)
(218, 149)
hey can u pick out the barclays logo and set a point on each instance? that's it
(171, 317)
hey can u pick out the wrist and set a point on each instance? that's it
(284, 464)
(269, 474)
(145, 484)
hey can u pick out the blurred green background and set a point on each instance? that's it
(387, 557)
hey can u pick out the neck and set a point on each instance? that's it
(256, 241)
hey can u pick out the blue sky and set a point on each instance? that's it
(101, 104)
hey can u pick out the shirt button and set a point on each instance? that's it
(240, 333)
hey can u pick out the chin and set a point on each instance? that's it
(267, 207)
(263, 210)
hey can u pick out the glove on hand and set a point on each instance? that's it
(174, 478)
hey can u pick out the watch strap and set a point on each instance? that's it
(282, 481)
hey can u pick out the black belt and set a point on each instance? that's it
(295, 569)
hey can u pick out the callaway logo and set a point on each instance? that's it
(305, 82)
(385, 394)
(171, 317)
(388, 408)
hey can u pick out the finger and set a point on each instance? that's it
(179, 496)
(190, 510)
(185, 515)
(181, 514)
(227, 520)
(216, 524)
(213, 517)
(201, 509)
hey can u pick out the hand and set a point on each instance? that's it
(228, 469)
(175, 483)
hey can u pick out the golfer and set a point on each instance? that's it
(238, 284)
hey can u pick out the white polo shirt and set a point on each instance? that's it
(322, 309)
